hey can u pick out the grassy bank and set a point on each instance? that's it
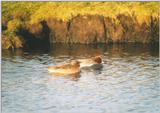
(18, 15)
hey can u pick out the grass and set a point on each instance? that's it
(36, 11)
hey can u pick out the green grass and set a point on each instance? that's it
(37, 11)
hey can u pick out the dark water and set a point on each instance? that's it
(128, 82)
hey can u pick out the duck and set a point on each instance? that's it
(65, 69)
(90, 62)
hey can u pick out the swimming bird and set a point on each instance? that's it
(91, 61)
(65, 69)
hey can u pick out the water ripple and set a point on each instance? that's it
(128, 82)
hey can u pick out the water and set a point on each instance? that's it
(128, 82)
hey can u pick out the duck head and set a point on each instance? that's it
(98, 59)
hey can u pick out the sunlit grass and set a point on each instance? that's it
(37, 11)
(66, 10)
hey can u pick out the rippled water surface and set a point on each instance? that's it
(128, 82)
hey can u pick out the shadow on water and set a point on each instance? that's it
(75, 50)
(73, 77)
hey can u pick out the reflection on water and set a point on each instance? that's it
(127, 82)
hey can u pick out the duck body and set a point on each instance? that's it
(90, 62)
(65, 69)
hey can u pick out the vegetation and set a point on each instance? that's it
(16, 15)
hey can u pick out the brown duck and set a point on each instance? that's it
(66, 69)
